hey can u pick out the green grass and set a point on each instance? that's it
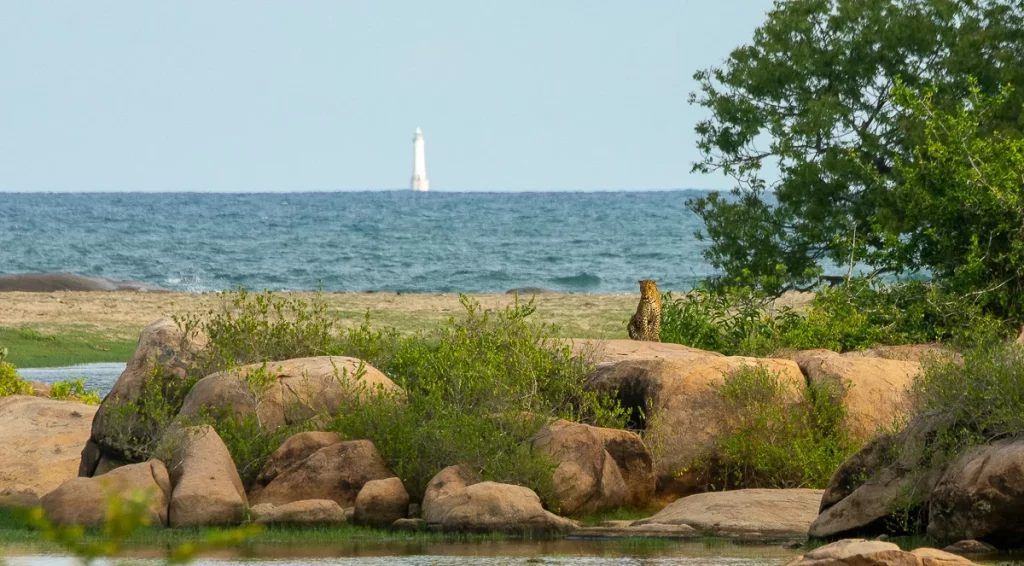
(32, 349)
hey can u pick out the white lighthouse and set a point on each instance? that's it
(419, 164)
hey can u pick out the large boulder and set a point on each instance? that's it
(874, 389)
(888, 475)
(446, 482)
(298, 389)
(744, 513)
(611, 351)
(83, 501)
(310, 511)
(919, 353)
(598, 468)
(117, 434)
(206, 487)
(860, 552)
(675, 402)
(293, 451)
(381, 502)
(336, 472)
(40, 440)
(981, 497)
(490, 506)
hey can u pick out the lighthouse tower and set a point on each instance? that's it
(419, 164)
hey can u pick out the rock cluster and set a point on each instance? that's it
(978, 496)
(318, 477)
(454, 501)
(673, 386)
(860, 552)
(161, 345)
(598, 468)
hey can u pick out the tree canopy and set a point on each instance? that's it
(814, 100)
(962, 191)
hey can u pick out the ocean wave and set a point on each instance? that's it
(580, 281)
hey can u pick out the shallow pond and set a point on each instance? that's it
(100, 377)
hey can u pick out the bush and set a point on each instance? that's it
(476, 392)
(978, 401)
(855, 315)
(10, 383)
(249, 441)
(258, 328)
(74, 390)
(730, 320)
(772, 442)
(136, 428)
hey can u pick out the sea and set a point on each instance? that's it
(398, 241)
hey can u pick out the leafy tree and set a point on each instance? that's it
(963, 197)
(813, 98)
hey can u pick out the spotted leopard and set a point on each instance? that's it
(646, 323)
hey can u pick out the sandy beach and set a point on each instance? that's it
(120, 315)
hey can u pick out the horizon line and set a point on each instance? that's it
(325, 191)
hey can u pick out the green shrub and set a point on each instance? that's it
(771, 441)
(977, 401)
(251, 328)
(74, 390)
(135, 428)
(855, 315)
(731, 320)
(860, 314)
(249, 441)
(476, 392)
(10, 383)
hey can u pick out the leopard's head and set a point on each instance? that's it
(648, 288)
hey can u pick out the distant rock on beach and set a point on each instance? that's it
(528, 291)
(50, 282)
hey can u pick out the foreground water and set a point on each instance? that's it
(556, 552)
(382, 241)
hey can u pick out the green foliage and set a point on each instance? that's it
(777, 436)
(963, 193)
(855, 315)
(977, 401)
(136, 428)
(811, 100)
(74, 390)
(10, 383)
(476, 392)
(249, 441)
(860, 314)
(252, 328)
(731, 320)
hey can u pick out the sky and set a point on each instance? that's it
(215, 96)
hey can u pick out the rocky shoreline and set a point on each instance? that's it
(319, 477)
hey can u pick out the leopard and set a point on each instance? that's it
(645, 325)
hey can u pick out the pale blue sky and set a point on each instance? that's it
(297, 96)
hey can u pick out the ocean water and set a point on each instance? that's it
(600, 242)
